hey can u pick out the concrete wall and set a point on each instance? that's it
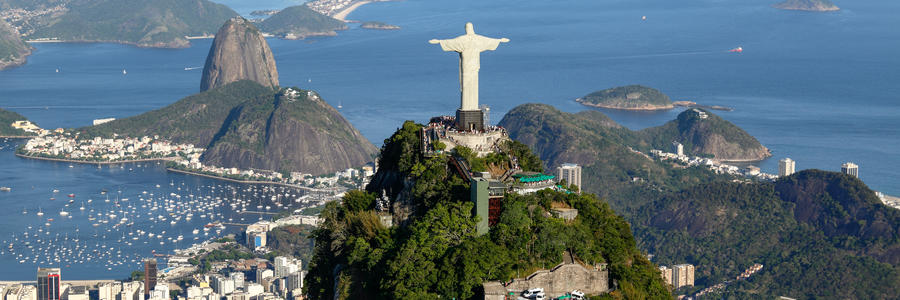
(556, 282)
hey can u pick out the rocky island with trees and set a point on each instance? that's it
(631, 97)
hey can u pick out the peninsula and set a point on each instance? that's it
(13, 49)
(808, 5)
(631, 97)
(13, 124)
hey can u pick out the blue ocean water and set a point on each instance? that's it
(821, 88)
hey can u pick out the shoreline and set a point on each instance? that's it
(246, 181)
(342, 15)
(17, 136)
(93, 162)
(654, 108)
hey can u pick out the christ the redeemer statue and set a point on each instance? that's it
(469, 46)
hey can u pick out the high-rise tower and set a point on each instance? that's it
(48, 283)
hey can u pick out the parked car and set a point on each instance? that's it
(535, 293)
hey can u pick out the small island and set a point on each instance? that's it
(379, 26)
(299, 22)
(808, 5)
(631, 97)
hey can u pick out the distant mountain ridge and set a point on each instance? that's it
(145, 23)
(239, 52)
(555, 133)
(300, 21)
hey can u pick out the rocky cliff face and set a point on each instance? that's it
(239, 52)
(13, 49)
(288, 133)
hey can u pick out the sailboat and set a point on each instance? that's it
(340, 104)
(124, 72)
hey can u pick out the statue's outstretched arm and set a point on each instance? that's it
(434, 41)
(504, 40)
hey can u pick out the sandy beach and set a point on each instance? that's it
(346, 11)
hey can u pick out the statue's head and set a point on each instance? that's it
(469, 28)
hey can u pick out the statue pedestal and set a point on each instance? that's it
(469, 120)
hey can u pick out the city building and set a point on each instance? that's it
(571, 173)
(133, 290)
(109, 290)
(682, 275)
(238, 278)
(75, 292)
(254, 289)
(149, 275)
(160, 292)
(666, 274)
(786, 167)
(222, 285)
(295, 280)
(678, 148)
(284, 266)
(850, 168)
(48, 280)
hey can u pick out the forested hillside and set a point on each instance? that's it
(436, 253)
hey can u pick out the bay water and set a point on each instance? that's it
(820, 88)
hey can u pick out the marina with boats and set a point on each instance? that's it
(102, 221)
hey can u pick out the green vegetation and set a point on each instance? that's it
(635, 97)
(711, 135)
(137, 275)
(151, 23)
(312, 211)
(12, 48)
(300, 21)
(809, 230)
(293, 240)
(609, 166)
(527, 161)
(244, 124)
(6, 119)
(227, 252)
(195, 119)
(436, 253)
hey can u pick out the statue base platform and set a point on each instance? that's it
(469, 120)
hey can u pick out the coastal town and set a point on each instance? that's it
(68, 146)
